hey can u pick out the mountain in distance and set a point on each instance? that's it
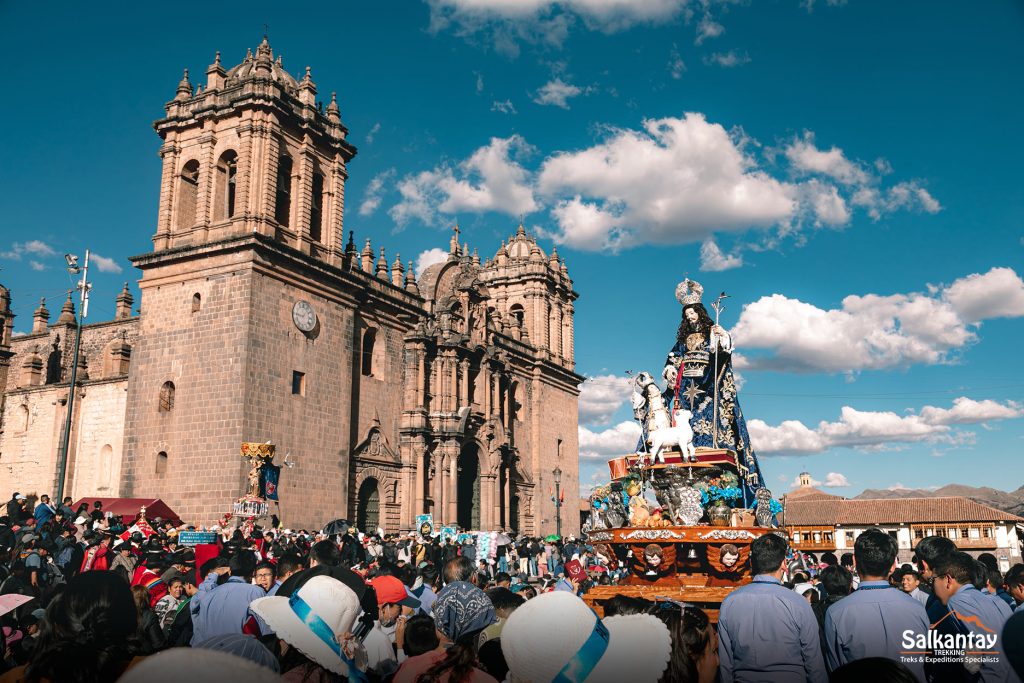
(1007, 501)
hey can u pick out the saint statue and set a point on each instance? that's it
(698, 376)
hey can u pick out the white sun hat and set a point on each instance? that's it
(314, 619)
(198, 666)
(556, 635)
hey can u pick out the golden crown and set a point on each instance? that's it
(688, 292)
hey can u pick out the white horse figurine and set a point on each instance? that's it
(680, 435)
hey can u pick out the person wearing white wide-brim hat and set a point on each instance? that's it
(317, 620)
(556, 636)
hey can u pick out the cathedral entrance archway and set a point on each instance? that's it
(368, 517)
(468, 488)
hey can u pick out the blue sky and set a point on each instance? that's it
(849, 173)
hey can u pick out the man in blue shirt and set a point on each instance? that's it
(930, 551)
(1014, 582)
(220, 608)
(766, 632)
(871, 621)
(44, 512)
(976, 613)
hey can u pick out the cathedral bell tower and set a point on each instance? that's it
(247, 298)
(252, 153)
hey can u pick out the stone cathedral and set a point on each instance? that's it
(260, 319)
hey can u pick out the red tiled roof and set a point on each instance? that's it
(810, 493)
(818, 511)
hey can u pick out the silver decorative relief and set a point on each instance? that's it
(653, 535)
(728, 535)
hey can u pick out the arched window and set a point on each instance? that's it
(161, 462)
(316, 209)
(369, 340)
(166, 397)
(224, 192)
(283, 199)
(23, 418)
(188, 193)
(197, 302)
(517, 313)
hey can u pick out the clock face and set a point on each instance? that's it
(304, 316)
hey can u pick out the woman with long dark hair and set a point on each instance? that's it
(694, 644)
(88, 634)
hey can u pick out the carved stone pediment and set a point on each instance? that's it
(376, 447)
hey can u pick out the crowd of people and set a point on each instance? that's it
(85, 597)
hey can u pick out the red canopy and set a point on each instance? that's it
(129, 508)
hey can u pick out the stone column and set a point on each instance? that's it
(207, 173)
(486, 509)
(463, 399)
(302, 196)
(439, 484)
(164, 224)
(419, 478)
(506, 495)
(453, 489)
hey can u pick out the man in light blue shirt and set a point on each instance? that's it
(220, 608)
(871, 621)
(766, 632)
(974, 612)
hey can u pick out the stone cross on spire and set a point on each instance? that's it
(453, 245)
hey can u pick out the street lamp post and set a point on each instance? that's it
(83, 287)
(558, 500)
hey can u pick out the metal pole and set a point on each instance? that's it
(62, 454)
(558, 509)
(717, 305)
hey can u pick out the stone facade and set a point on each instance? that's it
(387, 395)
(36, 371)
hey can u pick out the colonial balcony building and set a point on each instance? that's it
(820, 522)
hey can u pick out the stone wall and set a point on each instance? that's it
(200, 346)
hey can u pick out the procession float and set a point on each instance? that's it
(694, 458)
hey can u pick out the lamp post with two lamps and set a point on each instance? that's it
(83, 288)
(558, 500)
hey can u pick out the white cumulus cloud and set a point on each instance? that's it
(673, 180)
(375, 192)
(504, 106)
(712, 259)
(506, 22)
(905, 196)
(804, 156)
(609, 443)
(999, 293)
(373, 133)
(871, 332)
(491, 179)
(676, 66)
(601, 396)
(428, 258)
(832, 480)
(104, 264)
(836, 480)
(32, 247)
(557, 92)
(677, 180)
(728, 59)
(880, 430)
